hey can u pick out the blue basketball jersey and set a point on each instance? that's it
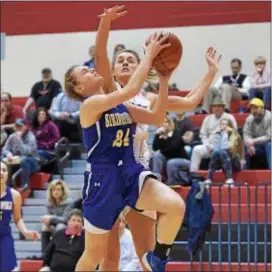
(111, 137)
(6, 211)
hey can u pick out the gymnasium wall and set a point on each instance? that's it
(57, 34)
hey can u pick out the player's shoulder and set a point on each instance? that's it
(15, 194)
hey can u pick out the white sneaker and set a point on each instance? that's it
(208, 181)
(230, 182)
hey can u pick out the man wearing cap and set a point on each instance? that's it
(43, 92)
(207, 132)
(22, 143)
(260, 82)
(257, 132)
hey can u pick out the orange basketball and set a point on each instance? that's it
(169, 58)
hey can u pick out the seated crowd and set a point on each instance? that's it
(29, 135)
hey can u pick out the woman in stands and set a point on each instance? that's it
(113, 179)
(46, 132)
(57, 210)
(124, 65)
(10, 204)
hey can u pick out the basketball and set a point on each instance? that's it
(169, 58)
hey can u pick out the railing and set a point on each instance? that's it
(241, 229)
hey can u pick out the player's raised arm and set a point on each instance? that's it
(97, 104)
(191, 101)
(102, 62)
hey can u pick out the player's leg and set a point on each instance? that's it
(156, 196)
(101, 208)
(111, 259)
(94, 252)
(144, 241)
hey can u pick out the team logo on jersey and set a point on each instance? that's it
(6, 205)
(117, 119)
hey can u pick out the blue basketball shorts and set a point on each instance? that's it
(7, 253)
(107, 190)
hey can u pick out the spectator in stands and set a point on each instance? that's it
(257, 133)
(57, 210)
(207, 132)
(77, 204)
(128, 257)
(43, 92)
(260, 82)
(118, 48)
(3, 136)
(22, 143)
(66, 246)
(185, 128)
(46, 132)
(229, 87)
(65, 113)
(169, 146)
(91, 62)
(9, 112)
(227, 143)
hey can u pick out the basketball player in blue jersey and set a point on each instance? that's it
(10, 204)
(123, 67)
(110, 181)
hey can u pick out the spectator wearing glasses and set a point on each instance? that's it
(260, 82)
(58, 207)
(66, 246)
(228, 87)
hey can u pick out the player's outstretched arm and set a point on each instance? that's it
(17, 215)
(191, 101)
(157, 115)
(102, 62)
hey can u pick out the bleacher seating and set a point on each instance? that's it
(243, 209)
(230, 199)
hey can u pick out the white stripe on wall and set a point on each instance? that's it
(27, 55)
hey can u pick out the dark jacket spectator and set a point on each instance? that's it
(43, 92)
(66, 246)
(170, 151)
(228, 87)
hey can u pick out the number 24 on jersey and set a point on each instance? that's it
(122, 138)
